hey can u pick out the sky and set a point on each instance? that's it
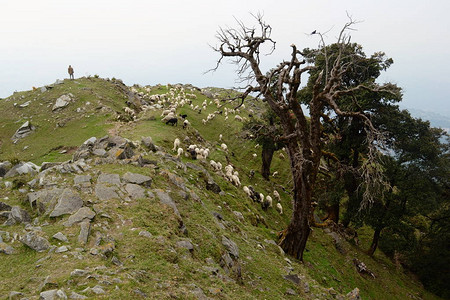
(151, 42)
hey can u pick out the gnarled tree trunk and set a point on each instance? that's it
(266, 155)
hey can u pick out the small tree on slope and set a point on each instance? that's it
(303, 138)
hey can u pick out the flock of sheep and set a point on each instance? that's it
(176, 98)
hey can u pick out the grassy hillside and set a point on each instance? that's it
(126, 264)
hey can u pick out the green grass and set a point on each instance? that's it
(155, 265)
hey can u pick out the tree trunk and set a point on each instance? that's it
(266, 155)
(374, 245)
(293, 238)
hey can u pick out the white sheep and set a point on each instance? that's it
(176, 144)
(224, 147)
(279, 208)
(281, 155)
(277, 195)
(275, 174)
(247, 191)
(235, 180)
(220, 137)
(179, 152)
(238, 118)
(269, 200)
(261, 197)
(255, 155)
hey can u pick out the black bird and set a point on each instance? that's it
(314, 32)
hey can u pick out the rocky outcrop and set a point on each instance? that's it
(24, 130)
(62, 102)
(35, 242)
(68, 202)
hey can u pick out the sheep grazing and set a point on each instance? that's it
(183, 116)
(172, 121)
(176, 144)
(179, 152)
(279, 208)
(255, 155)
(220, 137)
(261, 198)
(277, 195)
(238, 118)
(247, 191)
(275, 174)
(235, 180)
(266, 203)
(186, 123)
(224, 147)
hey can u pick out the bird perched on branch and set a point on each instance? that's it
(314, 32)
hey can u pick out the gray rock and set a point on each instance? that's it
(104, 192)
(82, 180)
(140, 293)
(5, 166)
(185, 244)
(293, 278)
(137, 179)
(231, 246)
(90, 141)
(109, 178)
(61, 249)
(80, 215)
(43, 89)
(148, 142)
(164, 198)
(7, 249)
(23, 131)
(100, 152)
(85, 229)
(239, 215)
(35, 242)
(68, 202)
(199, 294)
(76, 296)
(60, 237)
(135, 191)
(78, 273)
(98, 290)
(145, 233)
(62, 102)
(18, 215)
(338, 242)
(44, 200)
(52, 295)
(22, 168)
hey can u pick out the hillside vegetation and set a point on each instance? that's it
(181, 230)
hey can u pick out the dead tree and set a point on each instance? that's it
(302, 136)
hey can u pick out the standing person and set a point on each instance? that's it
(70, 70)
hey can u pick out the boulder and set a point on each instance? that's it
(7, 249)
(354, 295)
(68, 202)
(135, 191)
(164, 198)
(35, 242)
(44, 200)
(145, 233)
(231, 246)
(52, 295)
(18, 215)
(62, 102)
(85, 229)
(23, 131)
(82, 180)
(148, 142)
(109, 178)
(22, 168)
(60, 237)
(185, 244)
(137, 179)
(80, 215)
(104, 192)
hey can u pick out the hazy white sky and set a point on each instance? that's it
(150, 42)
